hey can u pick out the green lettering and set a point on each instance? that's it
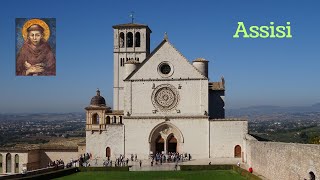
(272, 30)
(254, 31)
(264, 29)
(241, 29)
(278, 29)
(289, 30)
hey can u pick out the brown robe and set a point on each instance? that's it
(35, 55)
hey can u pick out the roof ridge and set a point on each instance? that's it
(187, 60)
(143, 62)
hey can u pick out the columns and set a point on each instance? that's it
(165, 145)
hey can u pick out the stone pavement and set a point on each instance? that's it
(146, 164)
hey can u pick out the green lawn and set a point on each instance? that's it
(213, 174)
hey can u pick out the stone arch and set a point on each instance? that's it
(108, 120)
(8, 163)
(129, 39)
(95, 118)
(165, 130)
(159, 144)
(237, 151)
(137, 39)
(114, 120)
(16, 163)
(171, 143)
(121, 40)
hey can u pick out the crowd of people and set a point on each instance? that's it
(159, 158)
(170, 157)
(56, 163)
(83, 159)
(119, 162)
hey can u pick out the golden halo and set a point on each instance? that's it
(41, 23)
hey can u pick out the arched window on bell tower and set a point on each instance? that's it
(137, 39)
(121, 40)
(95, 119)
(129, 39)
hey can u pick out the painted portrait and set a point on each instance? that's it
(35, 47)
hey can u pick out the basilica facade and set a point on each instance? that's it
(162, 103)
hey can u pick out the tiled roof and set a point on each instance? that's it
(216, 86)
(128, 25)
(200, 60)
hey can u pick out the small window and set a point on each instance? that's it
(121, 61)
(108, 119)
(16, 159)
(114, 119)
(129, 39)
(165, 68)
(121, 40)
(120, 119)
(137, 39)
(237, 151)
(8, 163)
(95, 119)
(108, 152)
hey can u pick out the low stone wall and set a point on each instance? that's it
(281, 161)
(49, 155)
(32, 173)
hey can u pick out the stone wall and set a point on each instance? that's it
(81, 149)
(193, 131)
(50, 155)
(23, 159)
(98, 141)
(225, 134)
(188, 85)
(281, 161)
(192, 95)
(34, 160)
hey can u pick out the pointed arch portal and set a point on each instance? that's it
(164, 138)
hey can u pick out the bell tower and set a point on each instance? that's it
(131, 42)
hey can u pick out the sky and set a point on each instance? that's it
(282, 72)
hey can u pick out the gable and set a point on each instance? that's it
(165, 53)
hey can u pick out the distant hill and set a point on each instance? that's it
(41, 116)
(268, 109)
